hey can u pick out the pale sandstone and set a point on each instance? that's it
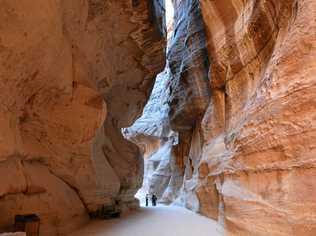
(152, 133)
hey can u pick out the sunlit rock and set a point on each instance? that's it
(242, 100)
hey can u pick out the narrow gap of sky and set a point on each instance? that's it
(169, 11)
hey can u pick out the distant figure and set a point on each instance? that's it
(154, 200)
(147, 196)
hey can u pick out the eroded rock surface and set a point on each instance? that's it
(229, 130)
(152, 133)
(259, 130)
(72, 74)
(245, 120)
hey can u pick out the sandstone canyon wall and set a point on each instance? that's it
(72, 74)
(229, 130)
(152, 133)
(241, 100)
(258, 158)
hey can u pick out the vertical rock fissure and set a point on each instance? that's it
(176, 106)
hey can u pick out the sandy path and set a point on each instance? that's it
(158, 221)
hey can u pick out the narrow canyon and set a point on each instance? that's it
(208, 104)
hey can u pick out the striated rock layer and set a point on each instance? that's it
(258, 159)
(72, 74)
(246, 120)
(229, 130)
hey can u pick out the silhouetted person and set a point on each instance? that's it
(154, 200)
(147, 196)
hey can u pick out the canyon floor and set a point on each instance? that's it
(154, 221)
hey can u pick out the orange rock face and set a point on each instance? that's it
(65, 68)
(234, 119)
(257, 169)
(246, 121)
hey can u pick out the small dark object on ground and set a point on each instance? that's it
(27, 223)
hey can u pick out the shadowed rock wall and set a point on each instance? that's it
(72, 74)
(178, 102)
